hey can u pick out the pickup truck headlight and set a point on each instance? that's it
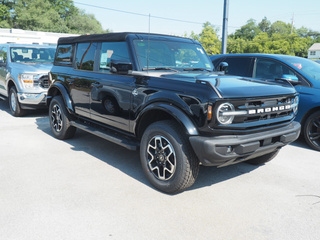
(222, 113)
(29, 80)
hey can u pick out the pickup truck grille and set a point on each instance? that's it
(44, 81)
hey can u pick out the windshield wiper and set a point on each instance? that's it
(196, 69)
(160, 68)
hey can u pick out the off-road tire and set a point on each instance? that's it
(167, 158)
(60, 119)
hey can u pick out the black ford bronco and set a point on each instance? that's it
(159, 94)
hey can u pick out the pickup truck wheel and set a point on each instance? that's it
(60, 119)
(14, 104)
(167, 158)
(263, 159)
(311, 131)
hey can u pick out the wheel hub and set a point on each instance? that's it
(56, 118)
(161, 158)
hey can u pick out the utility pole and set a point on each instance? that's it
(292, 23)
(225, 26)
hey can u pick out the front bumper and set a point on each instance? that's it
(32, 98)
(230, 149)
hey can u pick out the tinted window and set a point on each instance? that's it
(64, 54)
(85, 56)
(112, 50)
(270, 69)
(239, 66)
(3, 55)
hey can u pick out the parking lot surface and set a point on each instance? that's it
(88, 188)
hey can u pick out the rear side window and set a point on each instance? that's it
(64, 55)
(85, 56)
(239, 66)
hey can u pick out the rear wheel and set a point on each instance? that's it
(15, 106)
(311, 131)
(167, 158)
(60, 119)
(263, 159)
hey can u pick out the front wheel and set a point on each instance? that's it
(263, 159)
(167, 158)
(311, 131)
(60, 119)
(15, 106)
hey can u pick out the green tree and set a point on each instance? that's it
(38, 15)
(264, 25)
(51, 16)
(280, 27)
(84, 24)
(208, 38)
(248, 31)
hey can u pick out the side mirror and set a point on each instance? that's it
(120, 66)
(223, 67)
(290, 78)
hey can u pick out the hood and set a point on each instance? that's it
(32, 67)
(238, 87)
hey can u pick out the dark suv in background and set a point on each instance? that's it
(304, 74)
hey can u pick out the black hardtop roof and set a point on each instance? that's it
(108, 37)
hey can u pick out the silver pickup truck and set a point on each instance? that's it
(24, 75)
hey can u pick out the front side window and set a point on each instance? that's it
(85, 56)
(3, 55)
(311, 68)
(270, 69)
(32, 54)
(154, 54)
(114, 51)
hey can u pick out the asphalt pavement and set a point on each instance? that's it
(87, 188)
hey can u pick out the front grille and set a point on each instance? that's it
(44, 81)
(256, 113)
(265, 109)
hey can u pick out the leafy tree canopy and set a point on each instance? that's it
(47, 15)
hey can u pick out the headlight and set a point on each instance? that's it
(222, 113)
(28, 80)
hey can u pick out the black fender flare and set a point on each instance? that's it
(176, 113)
(58, 87)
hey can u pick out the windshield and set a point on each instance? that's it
(170, 55)
(31, 54)
(307, 66)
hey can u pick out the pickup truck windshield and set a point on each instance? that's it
(31, 54)
(170, 55)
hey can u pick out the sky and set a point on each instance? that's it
(177, 17)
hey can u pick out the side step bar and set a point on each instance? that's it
(108, 135)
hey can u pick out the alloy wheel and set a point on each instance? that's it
(161, 158)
